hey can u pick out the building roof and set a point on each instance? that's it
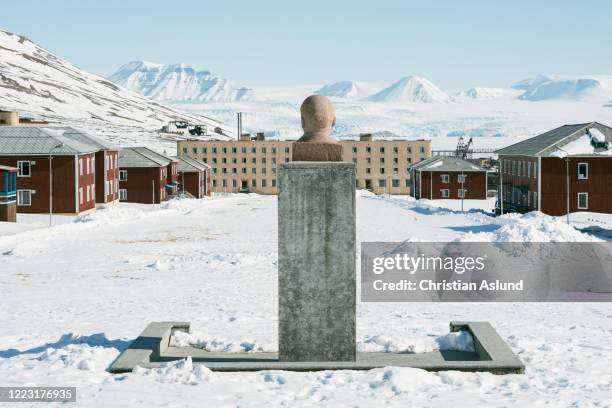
(446, 163)
(141, 156)
(547, 143)
(189, 165)
(8, 168)
(59, 140)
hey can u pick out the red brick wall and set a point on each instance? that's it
(475, 184)
(86, 181)
(598, 185)
(139, 184)
(63, 183)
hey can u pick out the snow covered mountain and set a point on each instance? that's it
(489, 93)
(177, 82)
(552, 87)
(36, 82)
(411, 89)
(348, 89)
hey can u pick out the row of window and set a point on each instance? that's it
(368, 149)
(90, 165)
(382, 160)
(519, 168)
(25, 166)
(461, 178)
(445, 193)
(109, 162)
(90, 190)
(395, 183)
(234, 182)
(523, 168)
(234, 150)
(243, 160)
(515, 196)
(264, 150)
(532, 199)
(382, 183)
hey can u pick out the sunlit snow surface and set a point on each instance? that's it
(74, 295)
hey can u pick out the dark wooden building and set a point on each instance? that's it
(8, 194)
(194, 177)
(55, 165)
(446, 177)
(567, 169)
(145, 176)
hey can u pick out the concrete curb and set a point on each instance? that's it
(151, 349)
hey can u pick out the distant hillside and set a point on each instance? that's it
(177, 82)
(411, 89)
(348, 89)
(489, 93)
(580, 88)
(36, 82)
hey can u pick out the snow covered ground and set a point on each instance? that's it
(74, 295)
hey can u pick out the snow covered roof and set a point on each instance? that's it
(189, 165)
(142, 157)
(446, 163)
(47, 139)
(550, 143)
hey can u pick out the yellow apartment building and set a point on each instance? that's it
(250, 164)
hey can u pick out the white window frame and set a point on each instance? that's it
(88, 193)
(80, 167)
(528, 169)
(20, 200)
(445, 192)
(461, 178)
(461, 192)
(122, 194)
(587, 201)
(80, 195)
(123, 172)
(20, 168)
(445, 178)
(586, 177)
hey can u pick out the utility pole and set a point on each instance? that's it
(463, 189)
(51, 183)
(567, 185)
(567, 204)
(501, 186)
(153, 191)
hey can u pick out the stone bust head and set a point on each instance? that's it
(318, 118)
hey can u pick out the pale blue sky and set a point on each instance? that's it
(456, 44)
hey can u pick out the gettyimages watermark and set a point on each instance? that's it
(486, 272)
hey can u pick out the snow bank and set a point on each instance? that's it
(179, 372)
(208, 343)
(531, 227)
(460, 341)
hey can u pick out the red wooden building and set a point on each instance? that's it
(194, 177)
(566, 169)
(145, 176)
(57, 168)
(8, 194)
(446, 177)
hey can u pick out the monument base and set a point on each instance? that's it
(152, 349)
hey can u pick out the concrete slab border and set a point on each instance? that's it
(152, 349)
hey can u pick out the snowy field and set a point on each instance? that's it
(74, 295)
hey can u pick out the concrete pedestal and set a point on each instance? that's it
(316, 261)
